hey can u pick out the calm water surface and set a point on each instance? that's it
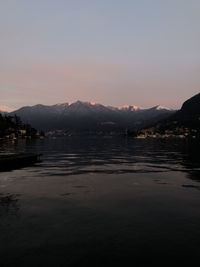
(101, 202)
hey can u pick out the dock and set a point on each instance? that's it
(18, 160)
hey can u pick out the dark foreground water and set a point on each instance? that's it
(102, 202)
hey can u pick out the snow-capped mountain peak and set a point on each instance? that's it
(130, 108)
(62, 105)
(159, 107)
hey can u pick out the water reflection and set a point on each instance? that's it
(9, 207)
(95, 201)
(96, 155)
(75, 156)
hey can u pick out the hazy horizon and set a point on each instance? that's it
(10, 109)
(142, 53)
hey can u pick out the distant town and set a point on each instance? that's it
(12, 128)
(179, 132)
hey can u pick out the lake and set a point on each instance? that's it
(101, 201)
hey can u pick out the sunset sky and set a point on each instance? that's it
(115, 52)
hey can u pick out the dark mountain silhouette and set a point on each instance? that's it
(185, 121)
(89, 117)
(189, 114)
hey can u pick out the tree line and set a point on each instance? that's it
(12, 126)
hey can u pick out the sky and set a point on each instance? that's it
(114, 52)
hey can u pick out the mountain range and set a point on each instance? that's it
(90, 117)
